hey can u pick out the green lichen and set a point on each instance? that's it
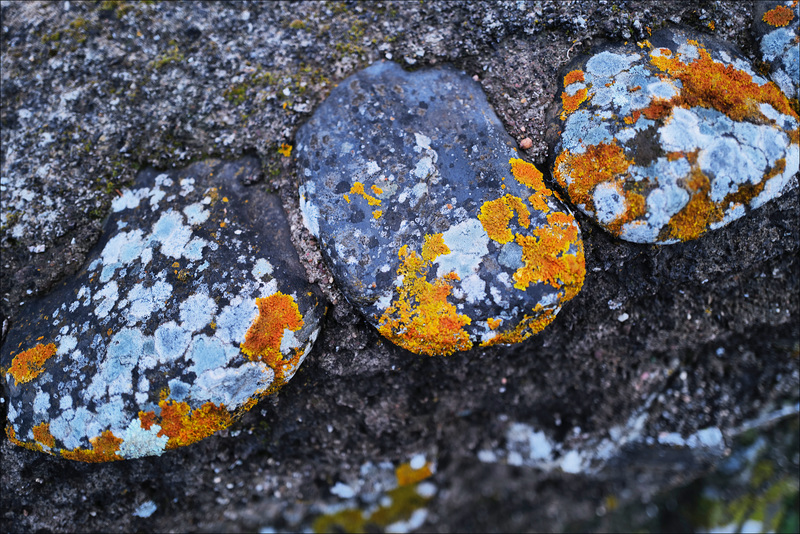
(172, 55)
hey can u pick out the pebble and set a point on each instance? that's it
(663, 140)
(430, 223)
(777, 28)
(191, 307)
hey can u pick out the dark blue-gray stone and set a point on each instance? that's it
(406, 180)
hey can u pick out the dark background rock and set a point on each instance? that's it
(710, 340)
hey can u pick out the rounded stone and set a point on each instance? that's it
(662, 140)
(430, 223)
(777, 25)
(191, 307)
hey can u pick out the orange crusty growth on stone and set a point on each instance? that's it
(724, 88)
(29, 364)
(104, 449)
(420, 319)
(12, 437)
(547, 256)
(570, 103)
(184, 426)
(528, 326)
(573, 76)
(496, 214)
(276, 313)
(358, 189)
(41, 433)
(779, 16)
(408, 475)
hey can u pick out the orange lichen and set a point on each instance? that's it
(528, 326)
(276, 313)
(104, 449)
(285, 150)
(494, 323)
(41, 433)
(29, 364)
(377, 214)
(548, 259)
(528, 175)
(147, 419)
(573, 76)
(699, 212)
(599, 163)
(184, 426)
(779, 16)
(358, 189)
(408, 475)
(12, 437)
(709, 84)
(496, 214)
(375, 189)
(571, 103)
(420, 319)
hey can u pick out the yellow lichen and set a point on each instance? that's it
(420, 318)
(377, 214)
(285, 150)
(494, 323)
(548, 259)
(407, 475)
(496, 214)
(41, 433)
(104, 449)
(29, 364)
(358, 189)
(12, 437)
(528, 326)
(779, 16)
(526, 174)
(699, 212)
(184, 426)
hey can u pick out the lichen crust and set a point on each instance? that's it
(188, 311)
(673, 137)
(777, 27)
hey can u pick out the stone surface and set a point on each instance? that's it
(191, 308)
(721, 311)
(431, 225)
(662, 140)
(776, 25)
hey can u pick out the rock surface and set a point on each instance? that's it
(776, 26)
(663, 140)
(192, 307)
(710, 331)
(431, 225)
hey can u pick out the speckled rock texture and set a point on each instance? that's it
(193, 306)
(663, 345)
(433, 227)
(776, 26)
(662, 140)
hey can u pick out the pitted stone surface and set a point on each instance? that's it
(191, 307)
(431, 225)
(776, 25)
(662, 140)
